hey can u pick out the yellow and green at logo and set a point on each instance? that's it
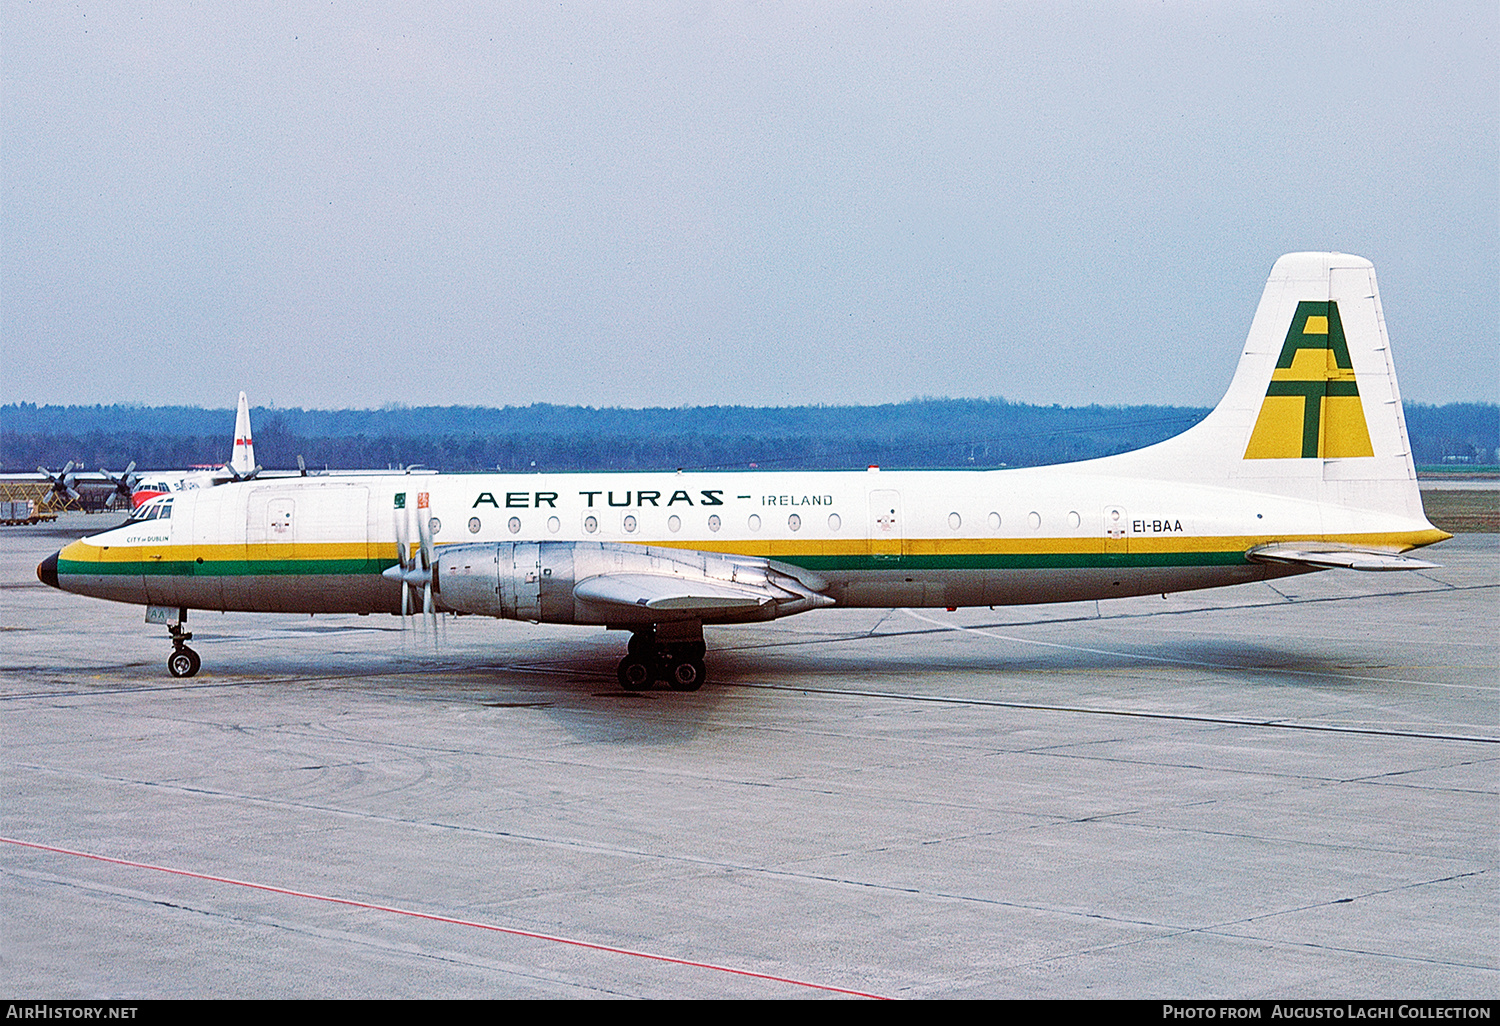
(1312, 408)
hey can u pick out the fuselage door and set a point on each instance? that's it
(271, 527)
(309, 550)
(886, 529)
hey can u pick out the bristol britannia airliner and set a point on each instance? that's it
(1304, 465)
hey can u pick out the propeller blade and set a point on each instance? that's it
(401, 518)
(424, 528)
(424, 534)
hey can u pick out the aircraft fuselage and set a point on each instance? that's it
(944, 538)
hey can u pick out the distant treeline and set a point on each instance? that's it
(922, 433)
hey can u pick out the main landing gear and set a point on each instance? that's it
(183, 662)
(672, 652)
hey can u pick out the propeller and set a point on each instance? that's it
(62, 484)
(236, 477)
(414, 568)
(126, 482)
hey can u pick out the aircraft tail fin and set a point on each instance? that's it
(242, 462)
(1313, 410)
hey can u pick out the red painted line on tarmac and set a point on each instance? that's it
(438, 919)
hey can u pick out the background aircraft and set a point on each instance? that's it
(241, 467)
(1304, 465)
(72, 485)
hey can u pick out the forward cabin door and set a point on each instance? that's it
(270, 541)
(307, 549)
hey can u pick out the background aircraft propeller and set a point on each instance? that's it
(62, 484)
(236, 476)
(124, 484)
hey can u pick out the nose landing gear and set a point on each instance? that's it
(183, 662)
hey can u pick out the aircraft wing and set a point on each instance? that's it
(670, 592)
(1349, 559)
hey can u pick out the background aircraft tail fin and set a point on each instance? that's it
(1313, 410)
(243, 459)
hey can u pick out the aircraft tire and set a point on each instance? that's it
(686, 675)
(183, 662)
(635, 673)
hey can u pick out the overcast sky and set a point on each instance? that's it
(352, 204)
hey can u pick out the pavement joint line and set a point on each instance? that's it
(432, 917)
(1129, 819)
(305, 929)
(544, 670)
(1130, 713)
(1168, 660)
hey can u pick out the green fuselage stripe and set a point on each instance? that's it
(222, 567)
(827, 564)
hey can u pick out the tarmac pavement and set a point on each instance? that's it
(1275, 790)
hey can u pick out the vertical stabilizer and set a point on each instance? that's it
(242, 462)
(1313, 410)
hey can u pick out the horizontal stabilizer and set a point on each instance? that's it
(668, 592)
(1348, 559)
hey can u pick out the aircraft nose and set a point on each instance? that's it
(46, 570)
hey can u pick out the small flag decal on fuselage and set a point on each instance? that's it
(1312, 408)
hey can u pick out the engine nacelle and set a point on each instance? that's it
(536, 581)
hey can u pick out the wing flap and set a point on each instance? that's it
(669, 592)
(1341, 558)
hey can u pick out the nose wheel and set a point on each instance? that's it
(183, 662)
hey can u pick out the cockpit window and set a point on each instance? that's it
(161, 510)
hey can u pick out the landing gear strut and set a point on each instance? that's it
(671, 652)
(183, 662)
